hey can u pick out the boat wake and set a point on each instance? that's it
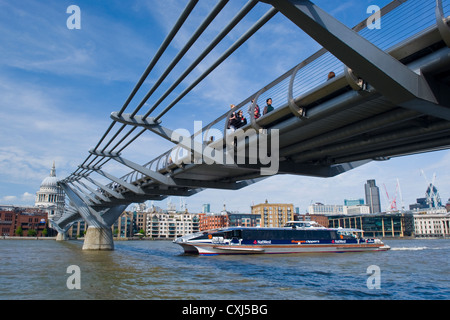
(409, 248)
(418, 248)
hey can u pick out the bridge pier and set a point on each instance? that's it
(62, 236)
(98, 239)
(62, 230)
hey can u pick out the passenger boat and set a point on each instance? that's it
(294, 237)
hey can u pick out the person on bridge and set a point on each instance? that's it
(241, 121)
(257, 112)
(233, 122)
(268, 108)
(331, 75)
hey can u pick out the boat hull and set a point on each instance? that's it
(223, 249)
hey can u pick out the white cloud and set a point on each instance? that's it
(36, 39)
(25, 199)
(8, 199)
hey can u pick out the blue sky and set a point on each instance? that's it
(59, 86)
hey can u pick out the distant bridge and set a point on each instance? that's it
(390, 97)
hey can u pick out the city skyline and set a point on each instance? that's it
(58, 87)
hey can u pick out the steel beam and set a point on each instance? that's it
(67, 220)
(91, 200)
(124, 184)
(109, 176)
(185, 142)
(111, 215)
(113, 193)
(95, 192)
(207, 184)
(155, 176)
(92, 217)
(389, 76)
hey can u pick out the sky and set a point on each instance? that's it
(58, 87)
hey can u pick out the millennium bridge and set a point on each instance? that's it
(389, 96)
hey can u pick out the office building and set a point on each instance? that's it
(171, 224)
(372, 196)
(320, 208)
(130, 224)
(432, 225)
(358, 209)
(274, 214)
(78, 229)
(393, 225)
(244, 220)
(353, 202)
(206, 208)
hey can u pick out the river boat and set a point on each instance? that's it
(294, 237)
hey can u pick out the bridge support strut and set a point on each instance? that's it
(99, 234)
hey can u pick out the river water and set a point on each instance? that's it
(38, 269)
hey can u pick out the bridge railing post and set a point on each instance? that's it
(442, 24)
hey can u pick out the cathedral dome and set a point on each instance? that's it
(50, 181)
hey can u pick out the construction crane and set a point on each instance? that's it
(392, 203)
(401, 196)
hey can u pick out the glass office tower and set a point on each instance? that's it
(372, 196)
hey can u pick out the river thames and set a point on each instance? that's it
(38, 269)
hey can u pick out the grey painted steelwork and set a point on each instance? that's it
(384, 102)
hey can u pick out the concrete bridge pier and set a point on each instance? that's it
(98, 239)
(62, 236)
(62, 231)
(99, 233)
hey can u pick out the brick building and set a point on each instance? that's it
(211, 221)
(22, 220)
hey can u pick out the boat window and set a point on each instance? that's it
(236, 234)
(298, 234)
(346, 234)
(227, 234)
(199, 236)
(219, 234)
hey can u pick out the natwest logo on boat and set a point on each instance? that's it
(262, 242)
